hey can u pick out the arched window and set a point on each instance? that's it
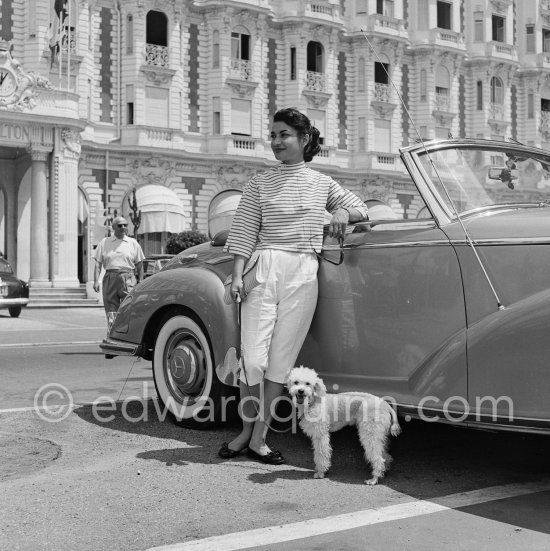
(215, 49)
(315, 53)
(157, 28)
(361, 75)
(497, 91)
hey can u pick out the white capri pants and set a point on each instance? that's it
(276, 315)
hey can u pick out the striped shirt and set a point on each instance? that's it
(284, 208)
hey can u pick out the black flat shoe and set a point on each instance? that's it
(271, 458)
(227, 453)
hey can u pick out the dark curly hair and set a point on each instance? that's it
(303, 126)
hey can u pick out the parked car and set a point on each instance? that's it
(154, 263)
(14, 293)
(441, 305)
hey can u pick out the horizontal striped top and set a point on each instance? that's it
(284, 208)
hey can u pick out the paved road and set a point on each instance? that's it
(121, 478)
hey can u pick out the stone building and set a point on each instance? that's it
(106, 106)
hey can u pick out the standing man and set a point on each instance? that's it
(121, 256)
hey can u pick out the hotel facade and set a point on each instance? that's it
(149, 108)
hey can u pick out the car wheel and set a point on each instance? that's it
(15, 311)
(183, 370)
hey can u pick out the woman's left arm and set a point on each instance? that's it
(345, 207)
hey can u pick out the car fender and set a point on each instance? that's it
(196, 292)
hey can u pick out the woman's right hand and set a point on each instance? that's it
(237, 291)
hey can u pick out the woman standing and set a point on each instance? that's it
(279, 225)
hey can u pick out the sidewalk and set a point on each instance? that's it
(53, 325)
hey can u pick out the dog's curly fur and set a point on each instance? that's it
(321, 413)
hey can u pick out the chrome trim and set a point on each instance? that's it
(401, 244)
(119, 348)
(507, 241)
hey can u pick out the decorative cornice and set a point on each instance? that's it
(383, 108)
(158, 75)
(316, 99)
(243, 88)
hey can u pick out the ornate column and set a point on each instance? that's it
(64, 208)
(39, 259)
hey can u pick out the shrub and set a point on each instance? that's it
(178, 242)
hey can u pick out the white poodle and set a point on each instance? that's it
(321, 413)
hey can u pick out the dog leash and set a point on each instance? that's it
(241, 359)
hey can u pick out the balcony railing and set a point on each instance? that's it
(496, 111)
(545, 121)
(156, 55)
(442, 101)
(321, 9)
(315, 82)
(382, 92)
(240, 69)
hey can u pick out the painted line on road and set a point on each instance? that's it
(272, 535)
(29, 344)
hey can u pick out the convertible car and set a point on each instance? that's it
(441, 304)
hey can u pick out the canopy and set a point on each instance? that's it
(161, 210)
(222, 209)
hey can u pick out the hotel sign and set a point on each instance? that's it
(14, 133)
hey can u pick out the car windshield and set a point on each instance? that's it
(469, 178)
(5, 268)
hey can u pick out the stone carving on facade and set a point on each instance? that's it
(71, 142)
(235, 175)
(22, 88)
(244, 88)
(377, 188)
(154, 170)
(500, 6)
(167, 6)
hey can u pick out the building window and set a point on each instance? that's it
(129, 34)
(545, 105)
(423, 85)
(216, 116)
(497, 91)
(444, 12)
(241, 110)
(530, 39)
(240, 45)
(157, 28)
(381, 71)
(318, 119)
(384, 7)
(479, 95)
(129, 104)
(216, 49)
(546, 40)
(362, 133)
(362, 6)
(382, 131)
(361, 75)
(530, 105)
(479, 27)
(498, 28)
(442, 87)
(423, 15)
(293, 63)
(315, 57)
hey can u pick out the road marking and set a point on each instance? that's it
(272, 535)
(29, 344)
